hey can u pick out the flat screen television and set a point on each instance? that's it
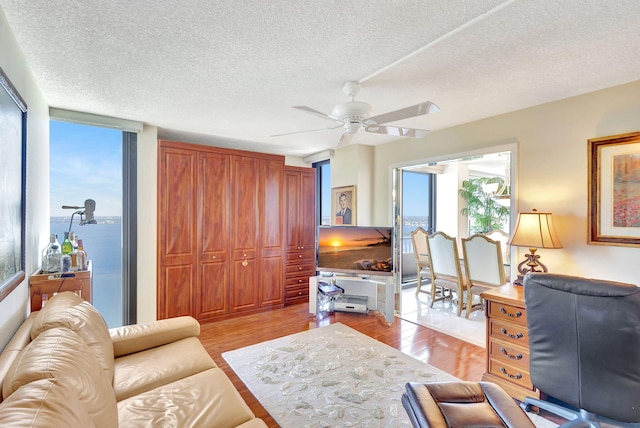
(355, 250)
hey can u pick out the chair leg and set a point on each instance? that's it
(469, 304)
(433, 293)
(419, 285)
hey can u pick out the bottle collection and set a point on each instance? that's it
(68, 257)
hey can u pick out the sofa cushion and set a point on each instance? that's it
(44, 403)
(146, 370)
(60, 355)
(70, 311)
(206, 399)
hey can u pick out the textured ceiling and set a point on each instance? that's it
(228, 72)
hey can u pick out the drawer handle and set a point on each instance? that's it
(299, 267)
(517, 356)
(516, 315)
(299, 256)
(509, 375)
(299, 293)
(513, 336)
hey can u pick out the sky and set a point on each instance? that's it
(85, 163)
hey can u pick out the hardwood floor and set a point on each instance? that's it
(456, 357)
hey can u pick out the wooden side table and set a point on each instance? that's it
(508, 341)
(42, 286)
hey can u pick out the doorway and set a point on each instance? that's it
(448, 176)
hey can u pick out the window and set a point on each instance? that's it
(323, 177)
(88, 162)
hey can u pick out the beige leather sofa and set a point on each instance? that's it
(64, 367)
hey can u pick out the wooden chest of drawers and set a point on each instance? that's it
(299, 266)
(508, 342)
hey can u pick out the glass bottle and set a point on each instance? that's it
(67, 248)
(81, 256)
(75, 263)
(51, 256)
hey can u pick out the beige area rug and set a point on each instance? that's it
(333, 376)
(443, 317)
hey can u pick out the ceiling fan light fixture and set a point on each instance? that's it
(352, 110)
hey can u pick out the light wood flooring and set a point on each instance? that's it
(456, 357)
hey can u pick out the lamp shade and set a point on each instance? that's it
(535, 230)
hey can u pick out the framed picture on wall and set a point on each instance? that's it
(343, 206)
(13, 146)
(614, 190)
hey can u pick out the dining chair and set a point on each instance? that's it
(421, 252)
(483, 267)
(445, 267)
(502, 237)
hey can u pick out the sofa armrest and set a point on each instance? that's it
(139, 337)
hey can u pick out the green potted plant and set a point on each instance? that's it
(484, 213)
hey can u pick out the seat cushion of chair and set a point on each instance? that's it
(455, 404)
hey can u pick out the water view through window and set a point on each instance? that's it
(86, 163)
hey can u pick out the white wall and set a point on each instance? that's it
(15, 307)
(551, 169)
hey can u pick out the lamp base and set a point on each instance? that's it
(532, 264)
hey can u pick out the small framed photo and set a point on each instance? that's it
(343, 206)
(614, 190)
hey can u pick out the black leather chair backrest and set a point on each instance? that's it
(584, 338)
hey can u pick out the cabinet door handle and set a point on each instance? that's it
(513, 336)
(245, 263)
(299, 256)
(517, 314)
(509, 375)
(213, 257)
(517, 356)
(299, 267)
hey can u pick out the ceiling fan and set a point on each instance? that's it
(354, 116)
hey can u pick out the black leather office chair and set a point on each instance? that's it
(584, 339)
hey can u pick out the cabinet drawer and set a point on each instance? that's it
(298, 280)
(300, 269)
(507, 312)
(514, 355)
(510, 373)
(509, 332)
(308, 255)
(291, 292)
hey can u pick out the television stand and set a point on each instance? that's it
(379, 294)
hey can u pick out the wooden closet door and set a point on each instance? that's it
(307, 217)
(292, 186)
(245, 221)
(177, 196)
(212, 296)
(271, 258)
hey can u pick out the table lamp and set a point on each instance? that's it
(533, 230)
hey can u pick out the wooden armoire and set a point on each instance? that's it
(220, 231)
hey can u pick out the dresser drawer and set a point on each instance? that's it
(307, 255)
(304, 268)
(514, 355)
(296, 292)
(511, 373)
(298, 280)
(509, 332)
(507, 312)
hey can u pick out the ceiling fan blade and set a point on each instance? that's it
(310, 130)
(345, 139)
(397, 131)
(316, 113)
(404, 113)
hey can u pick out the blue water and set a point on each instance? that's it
(103, 244)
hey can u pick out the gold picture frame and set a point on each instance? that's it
(614, 190)
(343, 206)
